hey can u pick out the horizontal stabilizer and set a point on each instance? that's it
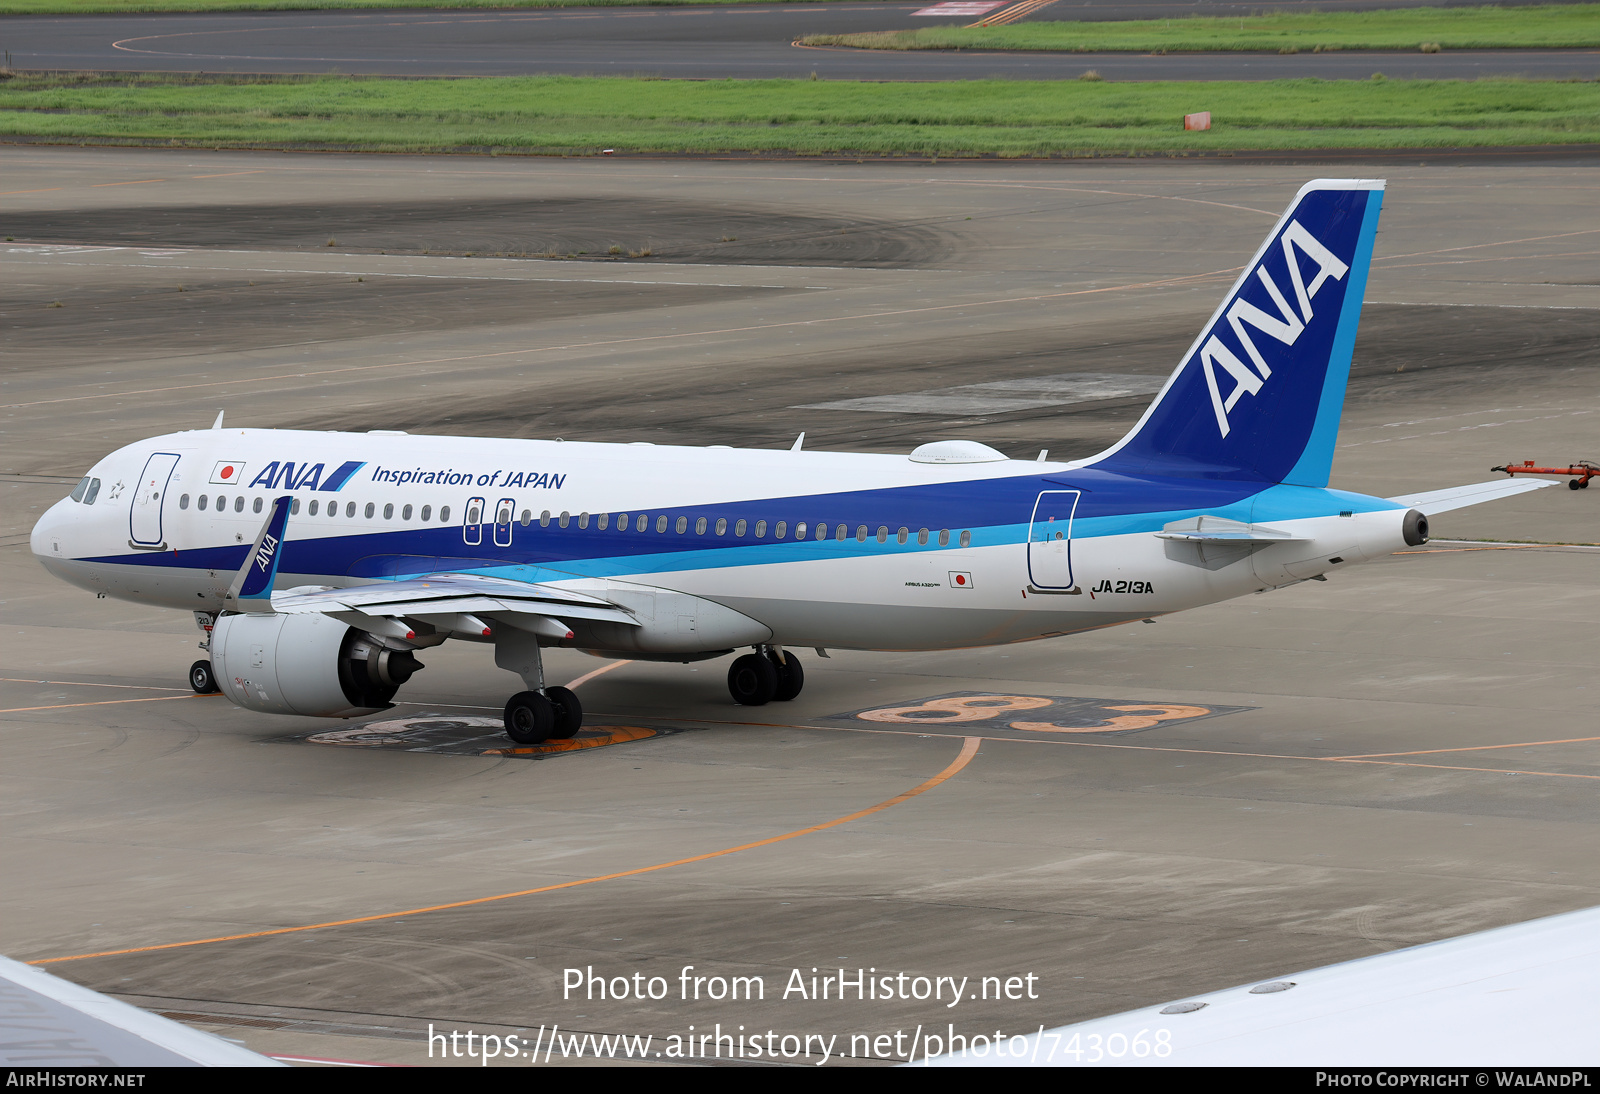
(1209, 529)
(1431, 502)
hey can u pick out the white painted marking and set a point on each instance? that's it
(1002, 396)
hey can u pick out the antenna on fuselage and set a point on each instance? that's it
(798, 441)
(218, 423)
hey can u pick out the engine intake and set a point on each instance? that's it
(305, 664)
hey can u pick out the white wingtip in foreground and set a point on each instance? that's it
(1515, 996)
(51, 1022)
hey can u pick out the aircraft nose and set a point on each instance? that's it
(45, 542)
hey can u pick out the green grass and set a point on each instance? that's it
(571, 115)
(1549, 26)
(122, 7)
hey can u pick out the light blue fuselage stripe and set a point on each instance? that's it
(1316, 460)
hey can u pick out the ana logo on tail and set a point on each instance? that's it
(1285, 327)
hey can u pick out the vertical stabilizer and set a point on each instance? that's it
(1259, 393)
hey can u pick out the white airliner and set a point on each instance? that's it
(383, 544)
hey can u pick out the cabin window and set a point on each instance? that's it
(256, 508)
(371, 509)
(444, 513)
(841, 531)
(183, 502)
(700, 526)
(883, 534)
(94, 492)
(427, 511)
(722, 525)
(544, 519)
(405, 514)
(738, 529)
(641, 522)
(900, 536)
(310, 509)
(682, 525)
(777, 533)
(861, 533)
(761, 529)
(605, 519)
(944, 537)
(527, 517)
(799, 530)
(966, 538)
(583, 520)
(564, 519)
(622, 522)
(661, 523)
(388, 511)
(349, 508)
(294, 508)
(922, 537)
(238, 504)
(822, 531)
(203, 500)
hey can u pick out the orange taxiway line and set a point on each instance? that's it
(1464, 748)
(969, 749)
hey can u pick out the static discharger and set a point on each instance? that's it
(1583, 469)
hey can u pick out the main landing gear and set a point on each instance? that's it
(533, 719)
(771, 673)
(539, 714)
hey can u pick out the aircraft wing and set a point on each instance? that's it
(1430, 502)
(1514, 996)
(49, 1022)
(449, 602)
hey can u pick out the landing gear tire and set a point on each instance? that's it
(201, 679)
(752, 680)
(530, 718)
(569, 713)
(791, 677)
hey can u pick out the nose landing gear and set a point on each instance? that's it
(201, 678)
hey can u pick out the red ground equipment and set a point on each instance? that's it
(1583, 469)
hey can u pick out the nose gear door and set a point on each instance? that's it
(144, 518)
(1050, 539)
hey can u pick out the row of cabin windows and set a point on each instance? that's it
(740, 528)
(640, 523)
(371, 509)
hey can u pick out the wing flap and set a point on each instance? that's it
(448, 595)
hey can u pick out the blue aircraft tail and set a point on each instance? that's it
(1258, 395)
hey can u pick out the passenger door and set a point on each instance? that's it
(144, 519)
(1050, 539)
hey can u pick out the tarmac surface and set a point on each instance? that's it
(743, 42)
(1404, 753)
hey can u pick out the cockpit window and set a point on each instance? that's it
(77, 491)
(94, 492)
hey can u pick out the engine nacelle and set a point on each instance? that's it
(305, 664)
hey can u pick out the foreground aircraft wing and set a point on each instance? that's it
(1520, 995)
(1430, 502)
(48, 1022)
(447, 598)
